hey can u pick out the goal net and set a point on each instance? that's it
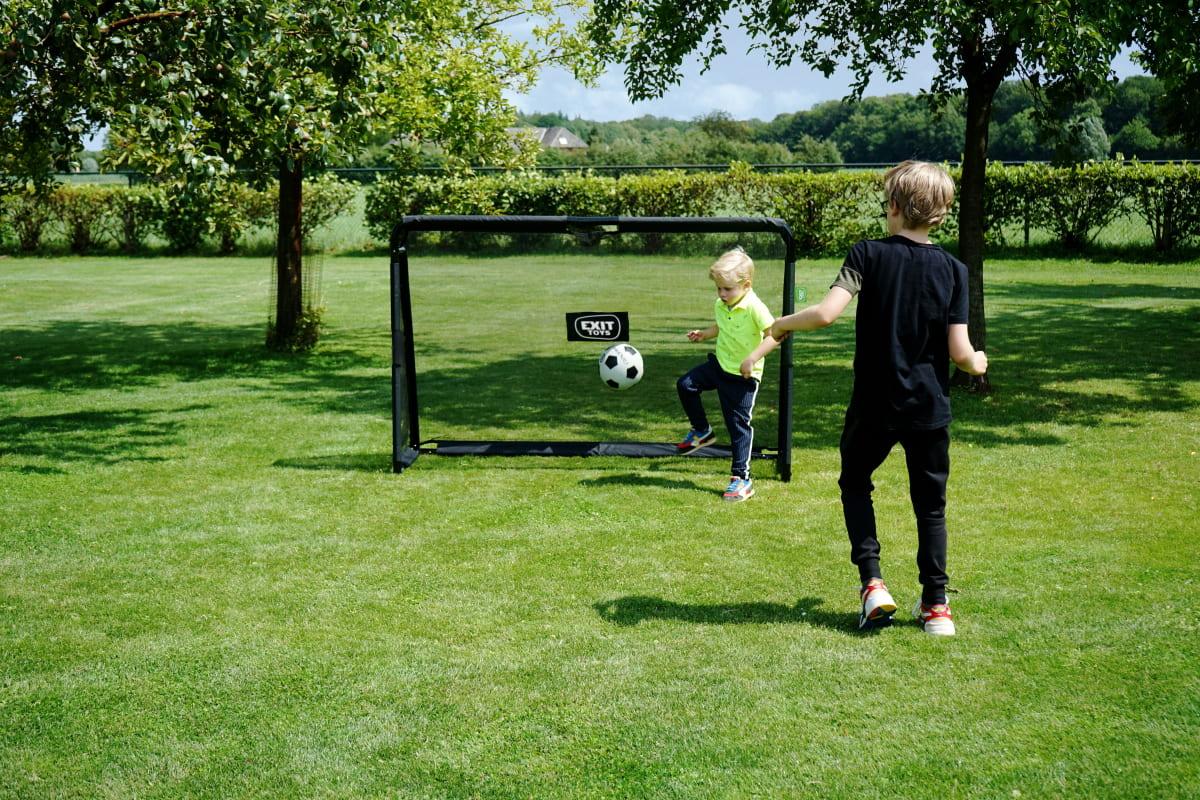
(498, 324)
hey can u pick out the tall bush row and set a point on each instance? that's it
(827, 211)
(87, 218)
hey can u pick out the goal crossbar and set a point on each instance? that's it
(407, 444)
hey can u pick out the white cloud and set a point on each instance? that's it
(739, 100)
(740, 82)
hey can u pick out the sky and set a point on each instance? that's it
(740, 83)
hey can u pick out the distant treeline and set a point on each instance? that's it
(1128, 120)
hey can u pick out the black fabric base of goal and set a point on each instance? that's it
(452, 447)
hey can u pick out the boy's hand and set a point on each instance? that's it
(747, 368)
(695, 336)
(979, 363)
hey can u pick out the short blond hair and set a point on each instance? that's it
(922, 191)
(734, 266)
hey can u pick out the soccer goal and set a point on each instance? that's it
(497, 355)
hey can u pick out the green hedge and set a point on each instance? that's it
(1167, 197)
(88, 218)
(827, 211)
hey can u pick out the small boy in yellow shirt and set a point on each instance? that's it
(743, 334)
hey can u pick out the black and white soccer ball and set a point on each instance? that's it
(621, 366)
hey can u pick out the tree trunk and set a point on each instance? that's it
(980, 92)
(289, 251)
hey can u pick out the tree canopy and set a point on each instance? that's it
(211, 88)
(1169, 38)
(233, 85)
(1065, 47)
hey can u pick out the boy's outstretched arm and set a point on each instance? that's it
(817, 316)
(702, 335)
(963, 354)
(768, 344)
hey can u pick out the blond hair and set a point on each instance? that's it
(922, 191)
(733, 266)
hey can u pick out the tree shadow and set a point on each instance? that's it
(1061, 355)
(1090, 291)
(70, 356)
(1081, 364)
(83, 356)
(1064, 356)
(635, 609)
(107, 437)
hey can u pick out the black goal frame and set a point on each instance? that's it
(406, 437)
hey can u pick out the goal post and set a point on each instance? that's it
(407, 444)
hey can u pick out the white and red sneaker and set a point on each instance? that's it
(936, 620)
(877, 605)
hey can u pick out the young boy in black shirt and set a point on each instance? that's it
(911, 322)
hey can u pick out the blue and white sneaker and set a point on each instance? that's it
(695, 440)
(739, 489)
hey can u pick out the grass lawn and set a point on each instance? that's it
(211, 584)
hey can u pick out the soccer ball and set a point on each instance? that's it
(621, 366)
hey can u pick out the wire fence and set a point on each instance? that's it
(373, 174)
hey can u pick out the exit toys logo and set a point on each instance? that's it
(598, 326)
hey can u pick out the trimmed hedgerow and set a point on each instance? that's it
(827, 211)
(1167, 197)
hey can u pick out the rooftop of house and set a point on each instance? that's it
(556, 137)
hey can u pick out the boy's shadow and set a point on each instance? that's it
(641, 479)
(635, 609)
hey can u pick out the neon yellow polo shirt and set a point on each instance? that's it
(739, 331)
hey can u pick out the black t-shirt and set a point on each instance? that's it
(908, 295)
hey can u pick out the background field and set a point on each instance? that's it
(211, 585)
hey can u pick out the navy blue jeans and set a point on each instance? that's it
(927, 454)
(737, 406)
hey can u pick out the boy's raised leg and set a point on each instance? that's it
(699, 378)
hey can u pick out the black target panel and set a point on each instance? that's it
(407, 443)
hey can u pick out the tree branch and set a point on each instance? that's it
(514, 15)
(140, 18)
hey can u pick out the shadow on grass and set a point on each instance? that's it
(83, 356)
(88, 356)
(107, 437)
(641, 479)
(1061, 355)
(635, 609)
(1065, 358)
(1098, 254)
(1090, 291)
(563, 393)
(348, 462)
